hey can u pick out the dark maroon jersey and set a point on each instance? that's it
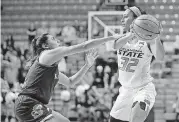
(40, 82)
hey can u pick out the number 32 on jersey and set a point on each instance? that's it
(128, 64)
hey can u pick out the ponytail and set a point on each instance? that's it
(37, 48)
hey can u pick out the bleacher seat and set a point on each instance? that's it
(19, 12)
(170, 116)
(166, 11)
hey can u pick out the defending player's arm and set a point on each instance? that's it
(57, 53)
(5, 63)
(158, 51)
(71, 81)
(121, 41)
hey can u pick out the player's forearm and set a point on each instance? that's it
(57, 53)
(96, 42)
(79, 75)
(160, 52)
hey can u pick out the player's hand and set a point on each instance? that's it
(91, 57)
(116, 36)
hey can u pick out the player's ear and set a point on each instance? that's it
(45, 46)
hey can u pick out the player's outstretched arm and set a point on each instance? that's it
(54, 55)
(158, 51)
(71, 81)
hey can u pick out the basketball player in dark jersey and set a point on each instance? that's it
(43, 75)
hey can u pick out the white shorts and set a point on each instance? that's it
(123, 105)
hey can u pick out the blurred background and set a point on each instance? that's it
(73, 22)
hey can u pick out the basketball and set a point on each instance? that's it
(146, 27)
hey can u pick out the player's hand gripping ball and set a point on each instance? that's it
(146, 27)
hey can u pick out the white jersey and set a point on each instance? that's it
(134, 64)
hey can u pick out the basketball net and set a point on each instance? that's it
(108, 24)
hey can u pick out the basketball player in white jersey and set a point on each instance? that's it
(137, 94)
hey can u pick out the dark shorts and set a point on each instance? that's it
(28, 109)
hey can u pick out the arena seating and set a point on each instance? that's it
(17, 14)
(167, 12)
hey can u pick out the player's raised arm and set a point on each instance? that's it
(158, 51)
(51, 56)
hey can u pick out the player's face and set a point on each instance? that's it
(127, 19)
(53, 42)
